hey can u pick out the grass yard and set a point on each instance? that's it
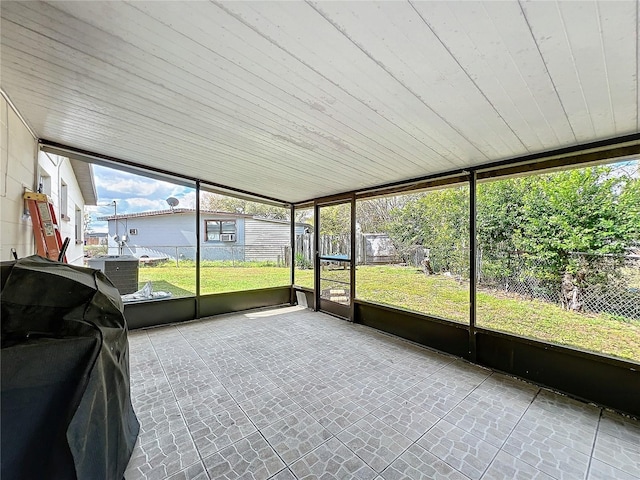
(181, 281)
(437, 295)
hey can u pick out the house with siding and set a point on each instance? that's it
(170, 234)
(68, 182)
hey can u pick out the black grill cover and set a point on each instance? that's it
(65, 404)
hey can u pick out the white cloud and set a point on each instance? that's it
(138, 204)
(125, 186)
(118, 182)
(135, 193)
(188, 200)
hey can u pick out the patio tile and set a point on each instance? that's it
(409, 419)
(145, 368)
(619, 426)
(336, 412)
(618, 453)
(162, 457)
(369, 397)
(507, 466)
(190, 386)
(284, 475)
(221, 430)
(173, 351)
(153, 396)
(418, 464)
(395, 380)
(561, 405)
(306, 390)
(463, 451)
(295, 435)
(334, 375)
(487, 417)
(208, 346)
(464, 372)
(269, 407)
(367, 388)
(183, 359)
(438, 397)
(194, 472)
(249, 458)
(564, 420)
(159, 421)
(332, 460)
(205, 404)
(599, 470)
(245, 386)
(502, 388)
(224, 366)
(421, 360)
(575, 436)
(545, 454)
(374, 441)
(282, 373)
(155, 384)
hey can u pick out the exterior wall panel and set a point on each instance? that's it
(18, 171)
(267, 240)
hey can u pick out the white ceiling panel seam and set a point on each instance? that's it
(374, 56)
(415, 134)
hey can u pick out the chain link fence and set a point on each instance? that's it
(229, 255)
(598, 283)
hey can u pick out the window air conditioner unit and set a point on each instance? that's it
(228, 237)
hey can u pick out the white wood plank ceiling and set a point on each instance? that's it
(297, 100)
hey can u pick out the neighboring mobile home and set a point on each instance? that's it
(165, 234)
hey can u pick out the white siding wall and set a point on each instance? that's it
(59, 171)
(266, 240)
(18, 169)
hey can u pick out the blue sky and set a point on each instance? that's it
(132, 193)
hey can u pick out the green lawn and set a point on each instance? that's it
(442, 296)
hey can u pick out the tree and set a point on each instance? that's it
(559, 226)
(587, 210)
(222, 203)
(86, 223)
(531, 226)
(374, 215)
(439, 222)
(499, 220)
(335, 219)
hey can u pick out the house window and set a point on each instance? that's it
(220, 230)
(44, 184)
(78, 226)
(64, 195)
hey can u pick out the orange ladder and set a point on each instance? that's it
(45, 227)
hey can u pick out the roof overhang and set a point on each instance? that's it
(84, 176)
(300, 100)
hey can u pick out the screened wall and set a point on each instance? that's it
(498, 266)
(413, 252)
(558, 257)
(150, 220)
(245, 245)
(164, 225)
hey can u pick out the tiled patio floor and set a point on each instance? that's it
(289, 393)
